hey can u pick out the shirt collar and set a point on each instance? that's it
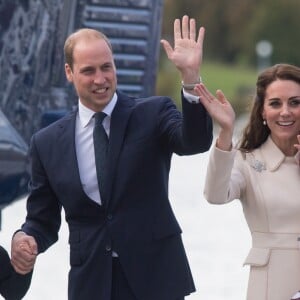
(85, 114)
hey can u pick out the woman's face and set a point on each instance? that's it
(281, 111)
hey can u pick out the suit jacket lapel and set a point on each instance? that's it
(119, 120)
(67, 149)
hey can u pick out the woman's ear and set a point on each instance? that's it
(263, 115)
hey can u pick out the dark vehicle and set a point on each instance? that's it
(13, 162)
(33, 88)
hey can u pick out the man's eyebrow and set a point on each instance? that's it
(86, 68)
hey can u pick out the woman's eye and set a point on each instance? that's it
(274, 104)
(295, 102)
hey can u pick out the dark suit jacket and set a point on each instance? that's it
(13, 286)
(137, 221)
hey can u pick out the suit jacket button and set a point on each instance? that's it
(108, 248)
(109, 216)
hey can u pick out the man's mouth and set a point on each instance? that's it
(100, 90)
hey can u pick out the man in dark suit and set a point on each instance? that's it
(125, 242)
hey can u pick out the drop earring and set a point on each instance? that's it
(264, 122)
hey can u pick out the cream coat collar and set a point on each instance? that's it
(272, 155)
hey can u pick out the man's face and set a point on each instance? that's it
(94, 73)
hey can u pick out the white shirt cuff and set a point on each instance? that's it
(190, 98)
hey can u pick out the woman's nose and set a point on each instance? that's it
(285, 110)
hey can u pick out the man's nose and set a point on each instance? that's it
(99, 78)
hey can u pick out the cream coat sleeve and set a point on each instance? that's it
(224, 180)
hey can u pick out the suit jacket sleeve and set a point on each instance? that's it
(189, 132)
(42, 204)
(197, 125)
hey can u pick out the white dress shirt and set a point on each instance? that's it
(85, 146)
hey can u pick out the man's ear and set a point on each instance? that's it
(69, 72)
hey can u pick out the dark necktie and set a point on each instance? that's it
(100, 147)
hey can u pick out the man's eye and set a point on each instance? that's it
(106, 67)
(87, 71)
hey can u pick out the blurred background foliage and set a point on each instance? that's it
(233, 29)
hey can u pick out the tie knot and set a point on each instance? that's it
(99, 117)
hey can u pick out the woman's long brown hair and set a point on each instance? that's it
(255, 132)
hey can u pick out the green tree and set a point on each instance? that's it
(235, 26)
(278, 22)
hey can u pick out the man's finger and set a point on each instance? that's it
(167, 47)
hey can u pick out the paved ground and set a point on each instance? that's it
(216, 240)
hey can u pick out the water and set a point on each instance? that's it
(216, 239)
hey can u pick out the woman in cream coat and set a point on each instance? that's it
(263, 173)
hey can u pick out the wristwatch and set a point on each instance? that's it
(190, 86)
